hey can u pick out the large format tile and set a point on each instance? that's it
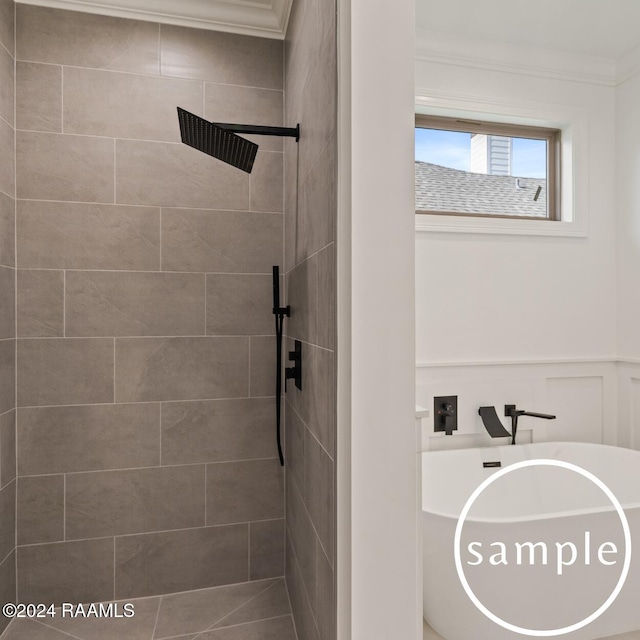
(275, 629)
(29, 629)
(7, 167)
(325, 597)
(38, 96)
(267, 182)
(7, 519)
(181, 368)
(175, 175)
(88, 438)
(221, 57)
(7, 11)
(217, 430)
(302, 295)
(195, 611)
(263, 366)
(123, 105)
(107, 503)
(220, 241)
(7, 375)
(327, 297)
(40, 509)
(40, 303)
(8, 297)
(78, 571)
(138, 627)
(64, 371)
(53, 166)
(7, 448)
(244, 491)
(294, 441)
(318, 492)
(239, 304)
(6, 85)
(266, 548)
(56, 235)
(153, 563)
(7, 584)
(7, 230)
(246, 105)
(301, 601)
(86, 40)
(102, 303)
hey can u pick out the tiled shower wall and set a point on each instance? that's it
(145, 358)
(310, 222)
(7, 311)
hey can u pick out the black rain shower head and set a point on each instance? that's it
(219, 140)
(216, 141)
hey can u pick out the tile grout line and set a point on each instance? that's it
(64, 507)
(155, 626)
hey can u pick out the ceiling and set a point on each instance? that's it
(602, 28)
(264, 18)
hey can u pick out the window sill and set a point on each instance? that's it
(498, 226)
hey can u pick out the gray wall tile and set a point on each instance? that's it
(221, 57)
(7, 375)
(124, 105)
(7, 86)
(280, 628)
(301, 602)
(155, 563)
(198, 610)
(7, 519)
(40, 303)
(7, 447)
(40, 509)
(302, 295)
(266, 540)
(56, 235)
(64, 371)
(181, 368)
(318, 492)
(217, 430)
(39, 96)
(266, 182)
(175, 175)
(239, 304)
(263, 366)
(103, 303)
(243, 491)
(88, 438)
(220, 241)
(325, 598)
(78, 571)
(86, 40)
(246, 105)
(7, 24)
(7, 585)
(7, 167)
(301, 535)
(294, 442)
(8, 297)
(107, 503)
(7, 230)
(319, 201)
(53, 166)
(327, 297)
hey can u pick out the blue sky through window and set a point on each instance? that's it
(453, 149)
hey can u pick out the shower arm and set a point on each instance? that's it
(282, 132)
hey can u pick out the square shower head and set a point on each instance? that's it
(216, 141)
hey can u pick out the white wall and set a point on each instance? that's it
(377, 47)
(487, 298)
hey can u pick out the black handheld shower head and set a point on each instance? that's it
(216, 141)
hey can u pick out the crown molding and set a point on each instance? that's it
(628, 65)
(266, 19)
(451, 49)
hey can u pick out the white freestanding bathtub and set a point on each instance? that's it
(536, 499)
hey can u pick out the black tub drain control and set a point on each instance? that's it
(445, 413)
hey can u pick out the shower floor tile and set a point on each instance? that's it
(249, 611)
(430, 634)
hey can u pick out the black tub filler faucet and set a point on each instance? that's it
(494, 426)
